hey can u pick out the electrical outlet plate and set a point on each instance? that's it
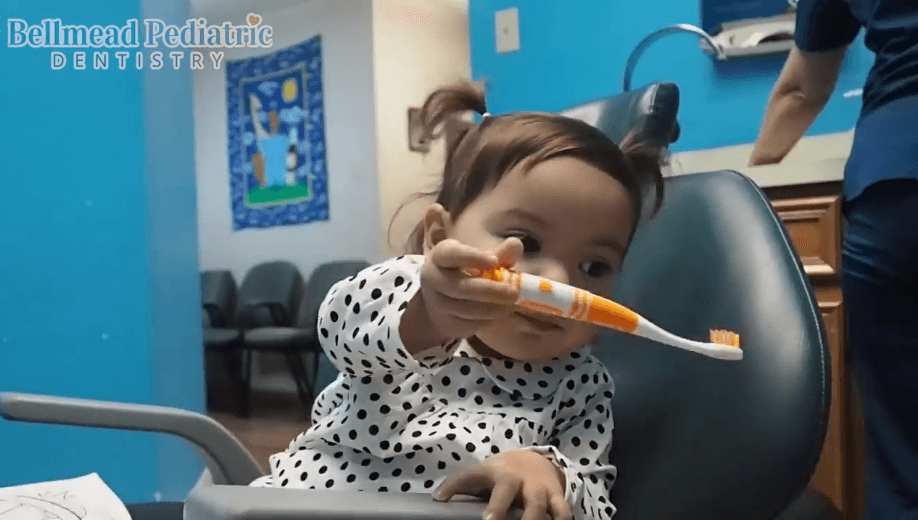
(507, 25)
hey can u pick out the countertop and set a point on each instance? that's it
(814, 160)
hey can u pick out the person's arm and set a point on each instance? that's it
(824, 30)
(360, 322)
(416, 329)
(803, 89)
(581, 447)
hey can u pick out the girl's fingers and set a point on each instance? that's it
(450, 254)
(535, 506)
(509, 252)
(560, 510)
(479, 289)
(506, 489)
(474, 480)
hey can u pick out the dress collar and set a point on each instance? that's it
(527, 380)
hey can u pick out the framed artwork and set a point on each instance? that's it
(276, 138)
(416, 141)
(453, 129)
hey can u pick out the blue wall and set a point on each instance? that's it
(572, 52)
(99, 284)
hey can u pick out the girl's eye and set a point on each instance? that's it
(597, 269)
(530, 245)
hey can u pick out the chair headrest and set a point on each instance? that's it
(651, 110)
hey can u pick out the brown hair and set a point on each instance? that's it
(484, 153)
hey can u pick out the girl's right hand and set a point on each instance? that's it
(459, 304)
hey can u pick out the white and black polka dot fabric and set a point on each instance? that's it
(393, 422)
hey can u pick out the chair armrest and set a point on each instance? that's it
(810, 505)
(226, 458)
(251, 503)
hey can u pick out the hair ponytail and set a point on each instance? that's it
(646, 162)
(450, 101)
(443, 104)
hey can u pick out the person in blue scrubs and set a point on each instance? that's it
(880, 247)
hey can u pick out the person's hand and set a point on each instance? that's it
(757, 159)
(459, 304)
(518, 477)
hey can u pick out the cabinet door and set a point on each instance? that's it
(813, 221)
(832, 475)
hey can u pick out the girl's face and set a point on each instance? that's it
(574, 221)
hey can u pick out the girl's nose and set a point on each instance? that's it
(552, 270)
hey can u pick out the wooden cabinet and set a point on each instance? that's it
(812, 215)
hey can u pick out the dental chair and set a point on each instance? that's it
(695, 438)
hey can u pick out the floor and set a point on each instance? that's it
(275, 420)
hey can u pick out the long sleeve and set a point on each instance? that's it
(359, 321)
(329, 399)
(581, 445)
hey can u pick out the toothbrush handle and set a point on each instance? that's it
(563, 300)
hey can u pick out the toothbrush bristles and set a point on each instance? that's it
(725, 337)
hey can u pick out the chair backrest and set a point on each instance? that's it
(650, 110)
(218, 297)
(697, 437)
(320, 282)
(270, 295)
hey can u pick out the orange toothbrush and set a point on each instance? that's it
(545, 296)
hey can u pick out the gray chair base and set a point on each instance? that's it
(809, 506)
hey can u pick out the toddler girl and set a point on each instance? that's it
(445, 386)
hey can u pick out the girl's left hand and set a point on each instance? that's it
(515, 477)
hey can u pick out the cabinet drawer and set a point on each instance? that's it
(814, 225)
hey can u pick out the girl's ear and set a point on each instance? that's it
(437, 226)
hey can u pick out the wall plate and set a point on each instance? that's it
(507, 26)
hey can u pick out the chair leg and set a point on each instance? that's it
(246, 394)
(234, 365)
(209, 400)
(310, 372)
(314, 353)
(298, 371)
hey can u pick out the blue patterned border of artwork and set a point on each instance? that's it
(285, 90)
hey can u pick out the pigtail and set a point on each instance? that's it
(450, 101)
(444, 104)
(646, 161)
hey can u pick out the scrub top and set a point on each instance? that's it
(886, 136)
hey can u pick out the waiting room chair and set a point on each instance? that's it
(269, 303)
(300, 337)
(221, 335)
(317, 287)
(695, 438)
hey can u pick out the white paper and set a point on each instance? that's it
(82, 498)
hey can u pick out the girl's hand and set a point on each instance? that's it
(519, 477)
(459, 305)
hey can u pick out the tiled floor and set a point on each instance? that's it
(275, 420)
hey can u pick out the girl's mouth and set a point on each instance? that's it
(538, 322)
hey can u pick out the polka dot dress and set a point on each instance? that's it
(396, 422)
